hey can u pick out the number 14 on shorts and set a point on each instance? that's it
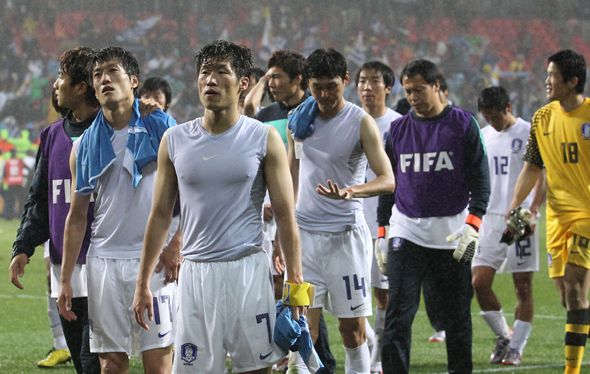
(357, 285)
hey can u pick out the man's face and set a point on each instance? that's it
(328, 92)
(158, 96)
(421, 95)
(281, 86)
(371, 88)
(557, 89)
(112, 83)
(496, 118)
(251, 85)
(65, 92)
(219, 86)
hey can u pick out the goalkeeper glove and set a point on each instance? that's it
(469, 235)
(381, 249)
(519, 226)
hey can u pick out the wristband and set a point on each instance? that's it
(298, 294)
(381, 232)
(473, 221)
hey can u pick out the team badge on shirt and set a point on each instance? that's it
(517, 145)
(586, 131)
(188, 352)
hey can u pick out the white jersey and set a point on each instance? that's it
(121, 211)
(334, 152)
(222, 188)
(371, 203)
(505, 150)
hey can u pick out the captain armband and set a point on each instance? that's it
(298, 294)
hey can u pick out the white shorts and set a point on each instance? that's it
(78, 280)
(111, 287)
(339, 266)
(46, 250)
(519, 257)
(269, 230)
(378, 280)
(225, 307)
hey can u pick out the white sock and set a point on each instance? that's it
(379, 321)
(497, 322)
(358, 360)
(59, 340)
(371, 338)
(521, 333)
(296, 364)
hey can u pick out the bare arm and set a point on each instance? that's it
(165, 193)
(527, 179)
(384, 183)
(293, 165)
(540, 193)
(254, 97)
(74, 232)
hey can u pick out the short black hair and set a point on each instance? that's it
(427, 69)
(156, 83)
(493, 98)
(443, 83)
(77, 64)
(325, 64)
(386, 72)
(258, 73)
(124, 57)
(239, 57)
(570, 64)
(292, 63)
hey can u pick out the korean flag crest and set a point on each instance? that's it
(517, 145)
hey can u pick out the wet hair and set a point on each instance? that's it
(239, 56)
(77, 64)
(386, 72)
(124, 57)
(156, 83)
(426, 69)
(325, 64)
(493, 98)
(443, 83)
(570, 64)
(292, 63)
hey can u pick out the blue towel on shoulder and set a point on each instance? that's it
(96, 152)
(295, 336)
(301, 119)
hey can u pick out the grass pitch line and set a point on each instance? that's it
(23, 297)
(518, 368)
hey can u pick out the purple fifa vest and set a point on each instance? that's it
(428, 156)
(56, 148)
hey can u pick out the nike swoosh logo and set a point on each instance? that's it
(262, 357)
(547, 133)
(519, 263)
(356, 307)
(574, 252)
(205, 158)
(163, 335)
(384, 280)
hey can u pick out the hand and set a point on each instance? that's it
(278, 259)
(64, 301)
(143, 300)
(333, 192)
(297, 311)
(267, 213)
(17, 269)
(381, 249)
(148, 106)
(467, 245)
(170, 258)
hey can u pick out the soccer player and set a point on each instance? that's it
(226, 302)
(254, 77)
(115, 161)
(158, 90)
(442, 186)
(336, 242)
(559, 142)
(49, 201)
(505, 140)
(374, 82)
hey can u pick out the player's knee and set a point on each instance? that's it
(352, 330)
(480, 286)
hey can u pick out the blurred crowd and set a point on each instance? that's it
(476, 44)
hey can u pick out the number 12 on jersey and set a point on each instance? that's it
(357, 285)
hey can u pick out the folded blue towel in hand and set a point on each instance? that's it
(301, 119)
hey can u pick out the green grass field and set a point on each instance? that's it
(25, 337)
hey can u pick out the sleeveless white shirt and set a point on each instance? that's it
(334, 152)
(222, 188)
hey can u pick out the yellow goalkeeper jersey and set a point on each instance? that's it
(560, 142)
